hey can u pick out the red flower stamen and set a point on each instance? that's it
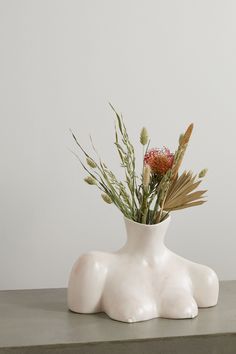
(159, 160)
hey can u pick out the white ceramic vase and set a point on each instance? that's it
(142, 280)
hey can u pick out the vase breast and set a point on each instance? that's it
(142, 280)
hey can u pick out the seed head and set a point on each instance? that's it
(106, 198)
(146, 176)
(181, 138)
(90, 180)
(91, 162)
(144, 136)
(203, 173)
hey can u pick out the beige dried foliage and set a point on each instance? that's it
(183, 144)
(182, 193)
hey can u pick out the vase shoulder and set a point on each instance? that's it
(143, 280)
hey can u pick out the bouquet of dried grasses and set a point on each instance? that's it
(161, 188)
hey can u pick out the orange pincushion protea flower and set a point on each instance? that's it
(159, 160)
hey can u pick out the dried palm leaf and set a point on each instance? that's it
(181, 193)
(200, 202)
(186, 184)
(179, 181)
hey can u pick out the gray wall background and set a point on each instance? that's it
(163, 64)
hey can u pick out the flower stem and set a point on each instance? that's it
(144, 209)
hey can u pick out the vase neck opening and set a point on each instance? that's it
(146, 240)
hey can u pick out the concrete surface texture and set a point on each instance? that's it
(37, 321)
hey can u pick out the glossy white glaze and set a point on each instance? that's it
(142, 280)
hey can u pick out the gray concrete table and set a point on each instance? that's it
(37, 321)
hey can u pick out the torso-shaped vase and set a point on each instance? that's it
(142, 280)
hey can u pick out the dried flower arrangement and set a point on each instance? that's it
(162, 188)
